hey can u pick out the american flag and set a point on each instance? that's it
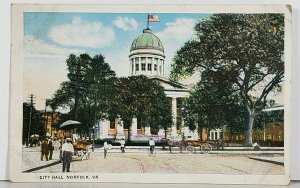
(153, 18)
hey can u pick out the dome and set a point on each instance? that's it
(147, 40)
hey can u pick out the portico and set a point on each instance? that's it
(147, 58)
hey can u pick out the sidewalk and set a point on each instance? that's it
(32, 159)
(270, 159)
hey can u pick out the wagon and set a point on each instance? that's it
(205, 146)
(81, 149)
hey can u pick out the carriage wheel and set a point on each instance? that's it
(81, 155)
(190, 149)
(88, 155)
(206, 148)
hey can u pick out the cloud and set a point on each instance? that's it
(180, 30)
(82, 34)
(44, 68)
(34, 47)
(125, 23)
(174, 36)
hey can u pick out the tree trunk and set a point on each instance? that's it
(77, 103)
(165, 133)
(251, 116)
(129, 124)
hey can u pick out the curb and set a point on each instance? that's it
(41, 167)
(267, 160)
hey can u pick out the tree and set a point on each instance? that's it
(32, 121)
(244, 49)
(214, 105)
(88, 92)
(138, 96)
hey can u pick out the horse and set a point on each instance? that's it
(175, 143)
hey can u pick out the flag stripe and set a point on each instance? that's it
(153, 18)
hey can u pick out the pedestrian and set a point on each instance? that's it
(44, 150)
(50, 148)
(67, 153)
(123, 145)
(152, 145)
(105, 147)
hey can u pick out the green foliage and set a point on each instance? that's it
(214, 105)
(88, 92)
(139, 96)
(246, 50)
(36, 122)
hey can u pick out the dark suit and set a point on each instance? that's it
(50, 148)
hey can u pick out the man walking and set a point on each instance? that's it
(44, 150)
(152, 145)
(105, 147)
(67, 152)
(123, 145)
(50, 148)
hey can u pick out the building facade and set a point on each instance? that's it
(147, 57)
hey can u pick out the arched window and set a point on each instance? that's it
(143, 61)
(136, 64)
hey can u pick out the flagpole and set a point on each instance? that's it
(148, 21)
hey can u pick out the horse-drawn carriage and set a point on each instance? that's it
(81, 149)
(192, 146)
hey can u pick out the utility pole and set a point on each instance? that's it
(31, 97)
(46, 117)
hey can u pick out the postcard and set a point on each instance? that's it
(150, 93)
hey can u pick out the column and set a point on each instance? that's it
(120, 130)
(104, 128)
(140, 65)
(163, 68)
(146, 64)
(134, 126)
(147, 131)
(157, 68)
(152, 66)
(133, 60)
(174, 117)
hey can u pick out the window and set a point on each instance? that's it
(143, 61)
(112, 124)
(139, 123)
(143, 66)
(149, 67)
(136, 64)
(155, 67)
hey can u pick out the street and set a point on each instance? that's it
(164, 162)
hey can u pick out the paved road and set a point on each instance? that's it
(165, 162)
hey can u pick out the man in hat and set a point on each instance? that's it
(44, 150)
(67, 153)
(50, 148)
(152, 145)
(123, 145)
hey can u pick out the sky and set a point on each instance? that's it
(50, 37)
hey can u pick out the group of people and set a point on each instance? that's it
(67, 151)
(122, 144)
(47, 148)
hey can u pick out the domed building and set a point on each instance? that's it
(147, 57)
